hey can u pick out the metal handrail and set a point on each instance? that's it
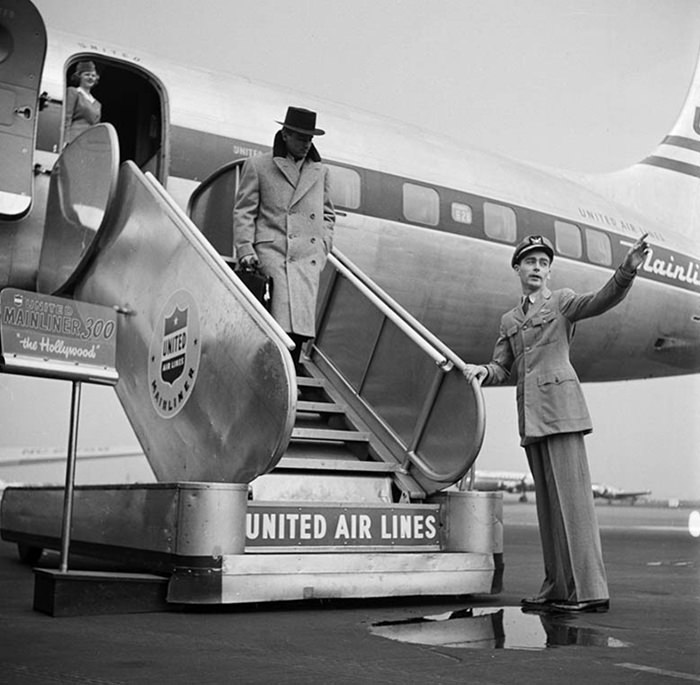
(387, 306)
(445, 358)
(382, 295)
(206, 183)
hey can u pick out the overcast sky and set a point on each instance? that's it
(577, 84)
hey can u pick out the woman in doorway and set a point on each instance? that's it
(82, 109)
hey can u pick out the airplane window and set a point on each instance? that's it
(421, 204)
(500, 222)
(599, 248)
(462, 214)
(568, 239)
(345, 187)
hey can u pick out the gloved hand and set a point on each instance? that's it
(249, 262)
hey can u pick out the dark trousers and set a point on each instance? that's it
(573, 560)
(298, 340)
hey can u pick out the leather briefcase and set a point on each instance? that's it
(258, 283)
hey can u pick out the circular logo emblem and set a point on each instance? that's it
(173, 357)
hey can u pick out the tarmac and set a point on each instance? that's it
(650, 635)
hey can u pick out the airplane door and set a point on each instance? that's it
(22, 53)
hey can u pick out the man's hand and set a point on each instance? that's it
(475, 372)
(636, 255)
(249, 262)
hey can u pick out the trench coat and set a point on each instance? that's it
(534, 348)
(288, 224)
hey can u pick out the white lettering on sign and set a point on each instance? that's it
(174, 344)
(59, 348)
(398, 526)
(340, 527)
(285, 526)
(356, 528)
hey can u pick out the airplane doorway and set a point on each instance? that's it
(134, 102)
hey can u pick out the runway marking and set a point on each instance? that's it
(661, 671)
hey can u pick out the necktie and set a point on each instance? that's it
(526, 304)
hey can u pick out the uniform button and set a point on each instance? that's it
(313, 216)
(313, 262)
(313, 240)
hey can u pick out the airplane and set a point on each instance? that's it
(413, 208)
(613, 494)
(444, 217)
(506, 481)
(441, 216)
(426, 228)
(519, 482)
(47, 465)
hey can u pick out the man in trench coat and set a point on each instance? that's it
(283, 221)
(533, 344)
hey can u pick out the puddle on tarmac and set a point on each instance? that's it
(494, 628)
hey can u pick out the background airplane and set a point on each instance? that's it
(513, 482)
(613, 494)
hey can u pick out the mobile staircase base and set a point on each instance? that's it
(192, 537)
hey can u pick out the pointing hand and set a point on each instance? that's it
(636, 255)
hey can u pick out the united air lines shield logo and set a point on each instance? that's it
(173, 358)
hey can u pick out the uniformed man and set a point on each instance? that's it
(283, 221)
(533, 345)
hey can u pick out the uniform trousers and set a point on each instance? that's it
(573, 560)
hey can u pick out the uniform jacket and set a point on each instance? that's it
(80, 114)
(534, 348)
(288, 223)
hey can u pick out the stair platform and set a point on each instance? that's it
(215, 546)
(288, 577)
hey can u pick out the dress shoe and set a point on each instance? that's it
(536, 603)
(591, 605)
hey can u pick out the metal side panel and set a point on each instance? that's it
(155, 525)
(206, 382)
(287, 577)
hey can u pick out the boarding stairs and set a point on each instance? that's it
(347, 481)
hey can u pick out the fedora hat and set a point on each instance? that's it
(530, 244)
(302, 121)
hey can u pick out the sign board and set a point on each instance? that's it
(337, 527)
(54, 337)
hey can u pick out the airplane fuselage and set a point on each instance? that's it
(433, 222)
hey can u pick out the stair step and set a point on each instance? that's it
(353, 465)
(308, 382)
(321, 434)
(320, 407)
(322, 450)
